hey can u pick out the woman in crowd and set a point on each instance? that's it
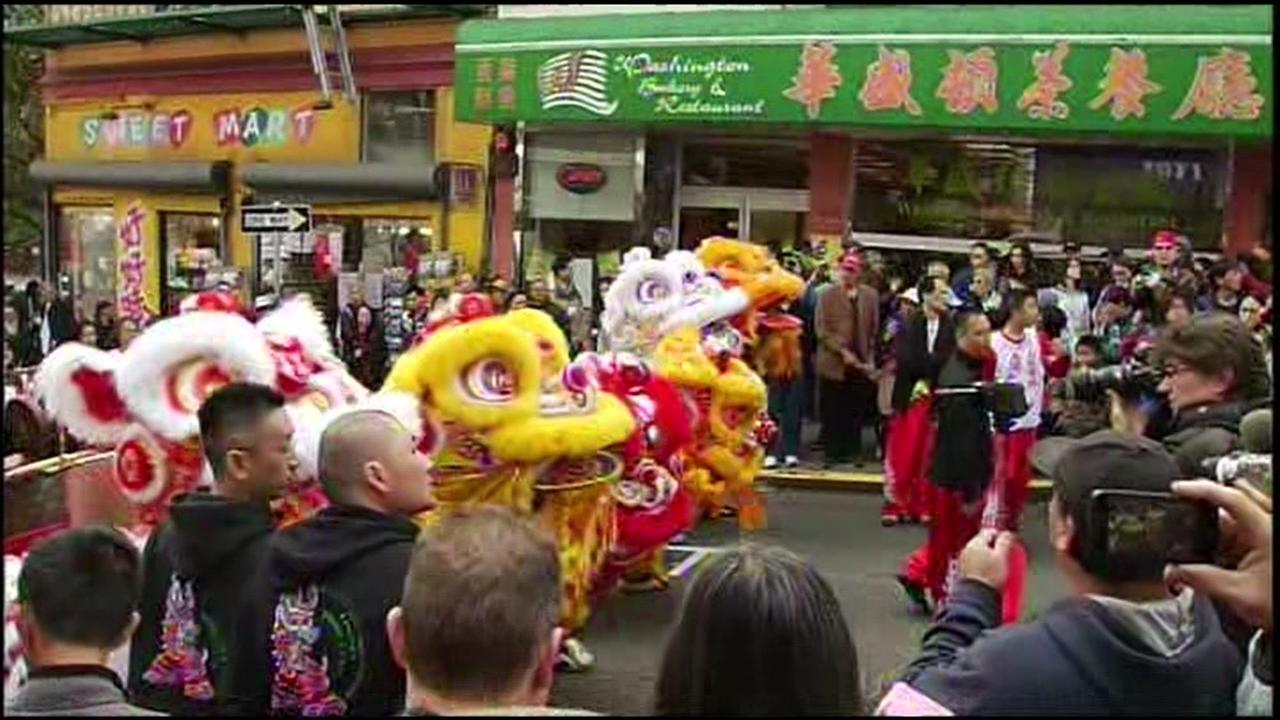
(1019, 270)
(982, 293)
(1071, 297)
(368, 349)
(760, 633)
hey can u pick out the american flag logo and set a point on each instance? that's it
(577, 79)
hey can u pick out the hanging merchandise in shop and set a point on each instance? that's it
(1184, 73)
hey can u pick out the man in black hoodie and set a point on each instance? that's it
(313, 638)
(195, 563)
(1122, 645)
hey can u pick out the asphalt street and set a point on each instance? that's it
(839, 531)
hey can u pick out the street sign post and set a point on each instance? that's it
(271, 223)
(275, 218)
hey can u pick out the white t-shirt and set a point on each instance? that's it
(1018, 361)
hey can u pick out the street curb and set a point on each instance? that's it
(857, 482)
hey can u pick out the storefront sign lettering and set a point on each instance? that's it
(817, 79)
(1090, 87)
(581, 178)
(888, 85)
(259, 127)
(136, 130)
(1223, 88)
(1125, 85)
(1040, 100)
(132, 264)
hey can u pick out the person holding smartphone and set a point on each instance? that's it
(1121, 644)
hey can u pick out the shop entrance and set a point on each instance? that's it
(768, 216)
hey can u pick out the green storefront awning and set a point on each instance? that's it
(1174, 69)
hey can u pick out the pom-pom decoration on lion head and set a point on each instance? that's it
(144, 401)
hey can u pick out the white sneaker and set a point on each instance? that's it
(791, 461)
(770, 462)
(574, 656)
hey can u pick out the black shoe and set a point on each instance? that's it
(916, 594)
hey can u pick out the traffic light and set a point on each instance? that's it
(505, 162)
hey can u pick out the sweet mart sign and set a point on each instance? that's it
(282, 127)
(1063, 83)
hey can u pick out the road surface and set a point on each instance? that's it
(839, 531)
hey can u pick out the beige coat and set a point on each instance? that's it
(837, 328)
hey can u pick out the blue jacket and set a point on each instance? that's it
(1081, 658)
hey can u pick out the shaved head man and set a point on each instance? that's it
(368, 459)
(338, 573)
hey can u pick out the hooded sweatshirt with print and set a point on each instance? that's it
(1087, 656)
(194, 570)
(313, 638)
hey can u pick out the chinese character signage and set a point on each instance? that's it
(1068, 84)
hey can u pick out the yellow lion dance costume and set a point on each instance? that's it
(511, 432)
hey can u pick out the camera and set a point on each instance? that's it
(1254, 467)
(1129, 380)
(1131, 535)
(1006, 401)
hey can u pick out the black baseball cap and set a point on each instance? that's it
(1109, 460)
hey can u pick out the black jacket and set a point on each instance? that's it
(1080, 658)
(1199, 433)
(915, 362)
(214, 544)
(962, 460)
(356, 560)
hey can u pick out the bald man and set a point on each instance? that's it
(314, 634)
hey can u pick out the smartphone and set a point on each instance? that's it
(1133, 535)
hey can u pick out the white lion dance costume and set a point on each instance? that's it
(143, 401)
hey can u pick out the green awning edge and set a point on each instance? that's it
(1246, 25)
(204, 20)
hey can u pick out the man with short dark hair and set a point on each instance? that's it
(921, 348)
(979, 259)
(194, 564)
(476, 627)
(1121, 645)
(313, 628)
(961, 463)
(77, 602)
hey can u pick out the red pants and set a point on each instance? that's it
(908, 453)
(1007, 492)
(931, 565)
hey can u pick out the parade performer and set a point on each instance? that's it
(516, 427)
(143, 401)
(694, 316)
(924, 344)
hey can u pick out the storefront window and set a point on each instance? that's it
(87, 255)
(400, 127)
(746, 163)
(1118, 197)
(954, 190)
(193, 256)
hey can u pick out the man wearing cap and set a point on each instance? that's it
(1122, 644)
(924, 344)
(847, 321)
(1166, 250)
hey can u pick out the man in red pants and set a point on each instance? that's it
(962, 461)
(924, 345)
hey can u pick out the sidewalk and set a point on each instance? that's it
(867, 478)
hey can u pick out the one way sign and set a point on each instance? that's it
(275, 218)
